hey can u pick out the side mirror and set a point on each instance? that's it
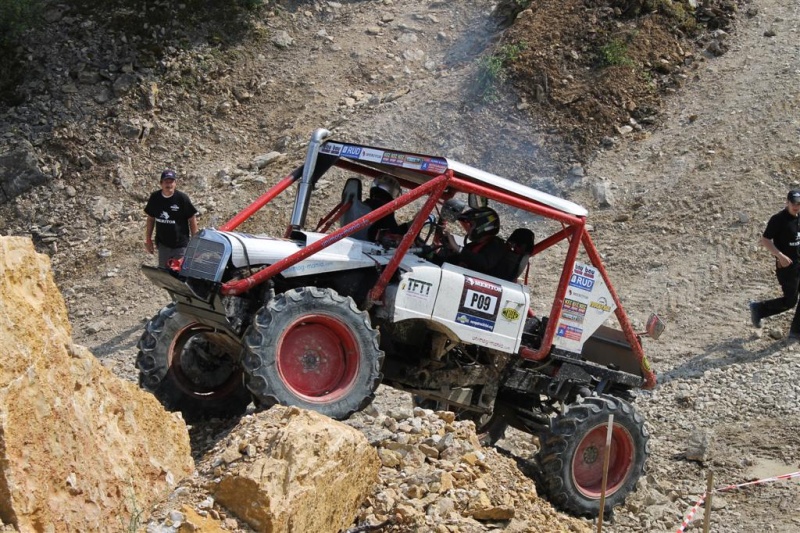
(451, 209)
(476, 201)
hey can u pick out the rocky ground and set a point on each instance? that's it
(681, 162)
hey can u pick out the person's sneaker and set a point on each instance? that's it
(754, 318)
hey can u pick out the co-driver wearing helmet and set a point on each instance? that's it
(483, 250)
(384, 189)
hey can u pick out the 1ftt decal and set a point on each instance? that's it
(417, 288)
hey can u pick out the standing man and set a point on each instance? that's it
(174, 218)
(782, 239)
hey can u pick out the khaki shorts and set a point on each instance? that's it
(165, 254)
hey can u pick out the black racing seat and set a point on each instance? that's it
(519, 248)
(351, 195)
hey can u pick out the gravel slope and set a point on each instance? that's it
(688, 201)
(707, 182)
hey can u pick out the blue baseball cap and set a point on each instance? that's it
(794, 196)
(168, 175)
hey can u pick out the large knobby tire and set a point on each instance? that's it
(573, 451)
(313, 348)
(190, 368)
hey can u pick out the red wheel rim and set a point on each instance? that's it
(184, 379)
(318, 358)
(587, 465)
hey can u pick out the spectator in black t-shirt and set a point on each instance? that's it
(174, 218)
(782, 239)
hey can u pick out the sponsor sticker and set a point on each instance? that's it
(576, 294)
(308, 266)
(600, 305)
(585, 270)
(569, 332)
(417, 288)
(479, 305)
(330, 148)
(573, 310)
(393, 158)
(351, 151)
(369, 154)
(512, 315)
(412, 161)
(581, 282)
(475, 322)
(436, 166)
(491, 343)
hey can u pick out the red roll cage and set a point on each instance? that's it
(438, 179)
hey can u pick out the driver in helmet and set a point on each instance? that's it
(483, 250)
(384, 189)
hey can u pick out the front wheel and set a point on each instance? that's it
(313, 348)
(572, 454)
(191, 368)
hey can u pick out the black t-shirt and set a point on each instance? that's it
(484, 257)
(784, 231)
(172, 218)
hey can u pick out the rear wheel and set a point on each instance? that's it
(190, 368)
(314, 349)
(573, 452)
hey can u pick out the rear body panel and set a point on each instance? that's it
(587, 305)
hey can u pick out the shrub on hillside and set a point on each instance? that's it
(16, 16)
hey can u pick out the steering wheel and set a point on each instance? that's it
(428, 232)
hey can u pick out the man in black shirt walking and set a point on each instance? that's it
(174, 218)
(782, 239)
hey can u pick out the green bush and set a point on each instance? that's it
(16, 16)
(492, 70)
(615, 53)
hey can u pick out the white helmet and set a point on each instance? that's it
(388, 184)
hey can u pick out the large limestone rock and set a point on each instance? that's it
(80, 449)
(298, 471)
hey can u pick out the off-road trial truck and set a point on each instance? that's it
(318, 317)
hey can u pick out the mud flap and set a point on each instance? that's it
(207, 310)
